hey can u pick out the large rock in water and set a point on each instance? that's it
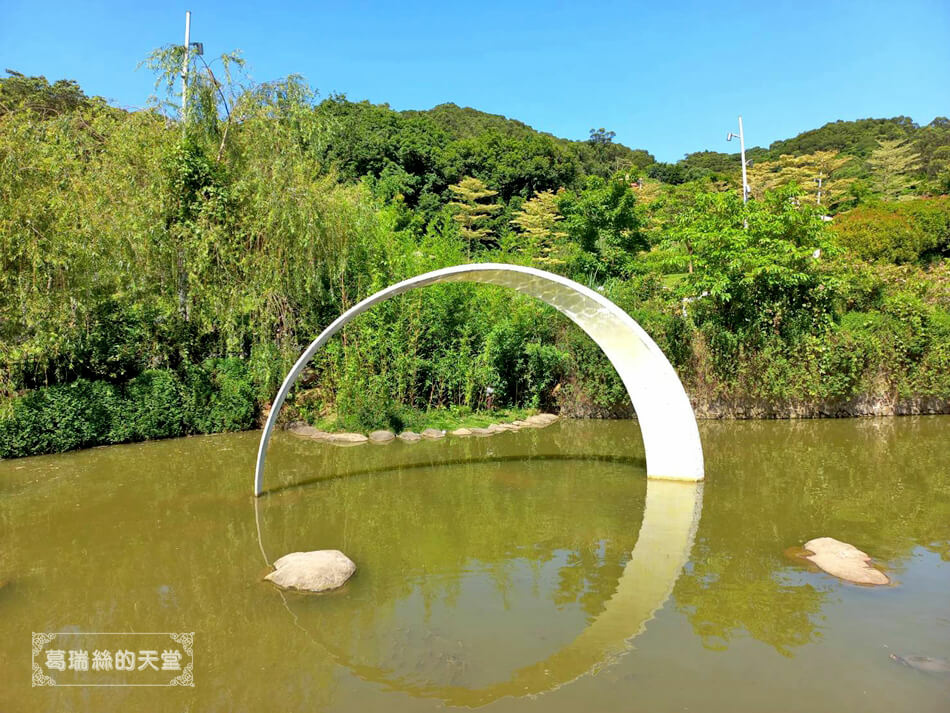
(316, 571)
(844, 561)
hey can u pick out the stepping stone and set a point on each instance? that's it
(316, 571)
(844, 561)
(346, 439)
(302, 430)
(540, 420)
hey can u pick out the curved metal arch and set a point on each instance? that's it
(667, 423)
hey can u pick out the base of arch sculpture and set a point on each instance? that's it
(667, 424)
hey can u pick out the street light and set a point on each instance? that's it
(199, 49)
(745, 183)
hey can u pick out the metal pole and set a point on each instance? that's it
(819, 187)
(184, 70)
(745, 182)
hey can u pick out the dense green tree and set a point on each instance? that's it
(757, 263)
(932, 142)
(670, 173)
(601, 136)
(602, 220)
(892, 162)
(713, 162)
(602, 160)
(854, 138)
(905, 232)
(364, 139)
(815, 174)
(538, 220)
(514, 166)
(472, 211)
(36, 94)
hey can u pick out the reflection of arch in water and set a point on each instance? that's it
(667, 424)
(670, 519)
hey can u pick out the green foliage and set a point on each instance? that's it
(149, 407)
(212, 397)
(156, 281)
(603, 222)
(37, 96)
(714, 162)
(915, 231)
(753, 267)
(365, 403)
(856, 138)
(472, 208)
(209, 98)
(538, 220)
(671, 173)
(218, 395)
(892, 162)
(818, 175)
(58, 418)
(603, 159)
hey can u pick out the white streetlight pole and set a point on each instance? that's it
(184, 70)
(745, 183)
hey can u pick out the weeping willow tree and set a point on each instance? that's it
(133, 240)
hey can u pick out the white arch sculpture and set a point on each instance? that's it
(667, 423)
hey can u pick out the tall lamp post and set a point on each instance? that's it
(197, 48)
(745, 183)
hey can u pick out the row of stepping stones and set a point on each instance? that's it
(352, 439)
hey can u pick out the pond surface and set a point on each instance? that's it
(527, 571)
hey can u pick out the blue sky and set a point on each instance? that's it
(670, 77)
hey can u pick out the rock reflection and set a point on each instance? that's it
(881, 484)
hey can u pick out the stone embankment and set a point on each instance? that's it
(739, 408)
(298, 428)
(866, 405)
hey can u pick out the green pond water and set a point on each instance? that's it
(535, 571)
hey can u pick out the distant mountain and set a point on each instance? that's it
(467, 123)
(856, 138)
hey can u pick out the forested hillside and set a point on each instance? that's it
(161, 273)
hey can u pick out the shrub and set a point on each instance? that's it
(58, 418)
(150, 407)
(218, 395)
(365, 403)
(215, 396)
(907, 232)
